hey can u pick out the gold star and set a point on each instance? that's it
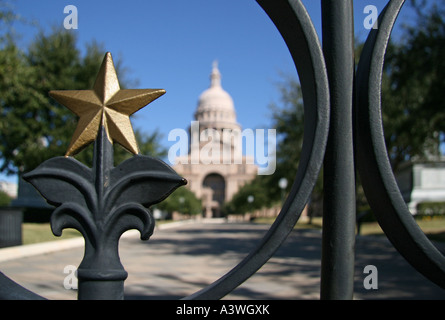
(105, 105)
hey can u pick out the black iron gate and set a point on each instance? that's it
(343, 130)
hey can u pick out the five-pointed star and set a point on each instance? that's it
(105, 105)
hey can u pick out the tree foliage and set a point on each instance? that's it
(413, 108)
(183, 201)
(240, 203)
(5, 199)
(287, 119)
(34, 127)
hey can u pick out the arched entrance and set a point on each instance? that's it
(216, 186)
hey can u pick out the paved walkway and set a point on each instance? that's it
(179, 261)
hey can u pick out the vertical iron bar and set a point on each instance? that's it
(98, 280)
(337, 266)
(103, 161)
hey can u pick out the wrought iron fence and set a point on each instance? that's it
(343, 128)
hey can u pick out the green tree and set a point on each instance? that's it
(288, 120)
(183, 201)
(412, 103)
(34, 126)
(5, 199)
(240, 203)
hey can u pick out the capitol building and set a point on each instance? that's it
(215, 167)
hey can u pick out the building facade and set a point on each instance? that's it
(215, 167)
(421, 181)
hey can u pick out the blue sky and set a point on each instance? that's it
(171, 44)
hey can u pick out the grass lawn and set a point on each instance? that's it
(41, 232)
(434, 228)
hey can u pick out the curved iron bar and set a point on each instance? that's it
(73, 215)
(10, 290)
(70, 186)
(130, 216)
(295, 25)
(374, 166)
(116, 191)
(78, 178)
(75, 174)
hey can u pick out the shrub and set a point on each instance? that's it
(431, 208)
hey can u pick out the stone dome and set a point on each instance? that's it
(215, 104)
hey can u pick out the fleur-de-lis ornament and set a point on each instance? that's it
(104, 201)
